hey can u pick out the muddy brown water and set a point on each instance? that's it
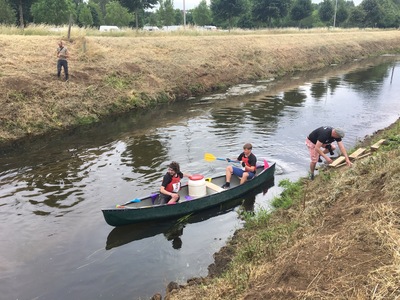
(55, 243)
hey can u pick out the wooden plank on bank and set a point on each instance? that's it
(357, 153)
(343, 162)
(358, 157)
(377, 144)
(364, 155)
(213, 186)
(341, 165)
(337, 161)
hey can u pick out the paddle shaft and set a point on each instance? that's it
(211, 157)
(136, 200)
(132, 201)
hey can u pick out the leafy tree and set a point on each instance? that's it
(301, 9)
(7, 13)
(246, 21)
(160, 14)
(189, 17)
(133, 5)
(326, 11)
(97, 14)
(117, 15)
(391, 14)
(138, 6)
(312, 20)
(150, 18)
(202, 14)
(341, 14)
(167, 12)
(226, 10)
(22, 7)
(102, 4)
(267, 10)
(357, 17)
(78, 2)
(55, 12)
(373, 12)
(178, 16)
(85, 15)
(315, 19)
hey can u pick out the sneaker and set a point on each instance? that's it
(311, 176)
(226, 186)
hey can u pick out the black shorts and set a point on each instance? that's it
(162, 199)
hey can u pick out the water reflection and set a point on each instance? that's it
(173, 230)
(318, 90)
(322, 88)
(144, 154)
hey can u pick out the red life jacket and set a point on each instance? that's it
(175, 185)
(246, 160)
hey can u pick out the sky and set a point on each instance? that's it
(190, 4)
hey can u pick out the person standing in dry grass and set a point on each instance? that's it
(62, 62)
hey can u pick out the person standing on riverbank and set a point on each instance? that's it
(248, 162)
(62, 62)
(322, 138)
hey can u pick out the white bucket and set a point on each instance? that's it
(197, 186)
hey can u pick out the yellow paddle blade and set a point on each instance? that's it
(209, 157)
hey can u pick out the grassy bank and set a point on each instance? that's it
(113, 75)
(336, 237)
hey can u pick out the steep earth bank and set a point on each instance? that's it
(114, 75)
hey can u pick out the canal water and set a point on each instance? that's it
(55, 243)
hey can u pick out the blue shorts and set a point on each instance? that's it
(239, 172)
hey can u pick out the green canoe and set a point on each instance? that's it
(173, 229)
(143, 209)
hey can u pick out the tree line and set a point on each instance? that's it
(246, 14)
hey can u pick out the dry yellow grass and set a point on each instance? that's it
(111, 75)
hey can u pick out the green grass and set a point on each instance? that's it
(292, 191)
(117, 82)
(86, 120)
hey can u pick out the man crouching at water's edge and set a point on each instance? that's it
(322, 137)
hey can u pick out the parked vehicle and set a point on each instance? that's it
(151, 28)
(210, 27)
(106, 28)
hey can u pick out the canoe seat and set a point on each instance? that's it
(213, 186)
